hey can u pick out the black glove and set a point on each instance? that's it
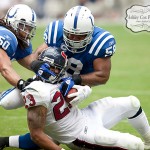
(22, 83)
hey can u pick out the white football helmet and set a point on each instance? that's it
(80, 22)
(21, 17)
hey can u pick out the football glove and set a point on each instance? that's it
(82, 93)
(66, 85)
(22, 83)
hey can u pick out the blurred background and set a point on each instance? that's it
(46, 10)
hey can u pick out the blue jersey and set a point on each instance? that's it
(9, 43)
(101, 46)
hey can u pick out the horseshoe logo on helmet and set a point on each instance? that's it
(11, 16)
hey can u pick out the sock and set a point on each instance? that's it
(25, 142)
(140, 123)
(14, 141)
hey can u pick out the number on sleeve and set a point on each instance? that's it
(29, 101)
(110, 50)
(4, 43)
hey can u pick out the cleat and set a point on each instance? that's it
(1, 148)
(4, 142)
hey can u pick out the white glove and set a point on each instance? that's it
(82, 93)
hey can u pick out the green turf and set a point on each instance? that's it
(130, 75)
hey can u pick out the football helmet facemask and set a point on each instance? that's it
(23, 20)
(78, 28)
(57, 59)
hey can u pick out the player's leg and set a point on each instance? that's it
(126, 107)
(22, 141)
(137, 118)
(11, 99)
(95, 136)
(117, 140)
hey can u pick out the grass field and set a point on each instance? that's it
(130, 75)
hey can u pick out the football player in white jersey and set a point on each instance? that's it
(53, 121)
(17, 28)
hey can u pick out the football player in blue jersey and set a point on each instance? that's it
(17, 28)
(89, 48)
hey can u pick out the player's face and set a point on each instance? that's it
(55, 70)
(25, 30)
(75, 37)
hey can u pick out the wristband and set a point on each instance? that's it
(77, 79)
(20, 84)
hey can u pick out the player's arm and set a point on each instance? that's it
(6, 69)
(40, 49)
(26, 62)
(102, 68)
(101, 64)
(36, 117)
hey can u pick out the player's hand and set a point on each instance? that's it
(66, 85)
(22, 83)
(42, 69)
(82, 93)
(44, 72)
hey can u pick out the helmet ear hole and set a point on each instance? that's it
(78, 21)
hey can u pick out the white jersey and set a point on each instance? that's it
(60, 122)
(88, 128)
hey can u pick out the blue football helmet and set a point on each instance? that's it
(55, 58)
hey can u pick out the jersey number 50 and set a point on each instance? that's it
(3, 43)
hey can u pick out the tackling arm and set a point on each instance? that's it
(102, 67)
(6, 69)
(26, 62)
(36, 117)
(40, 49)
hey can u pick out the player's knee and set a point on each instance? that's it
(131, 142)
(105, 139)
(135, 101)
